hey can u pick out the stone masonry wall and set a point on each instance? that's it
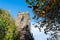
(23, 26)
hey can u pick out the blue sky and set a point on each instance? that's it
(15, 6)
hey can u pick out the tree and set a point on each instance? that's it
(7, 26)
(49, 10)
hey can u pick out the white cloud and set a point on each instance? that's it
(37, 34)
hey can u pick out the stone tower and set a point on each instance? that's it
(23, 26)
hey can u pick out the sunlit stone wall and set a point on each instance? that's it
(23, 26)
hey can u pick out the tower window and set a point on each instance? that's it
(22, 18)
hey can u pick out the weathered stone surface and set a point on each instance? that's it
(23, 26)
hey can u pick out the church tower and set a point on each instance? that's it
(23, 26)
